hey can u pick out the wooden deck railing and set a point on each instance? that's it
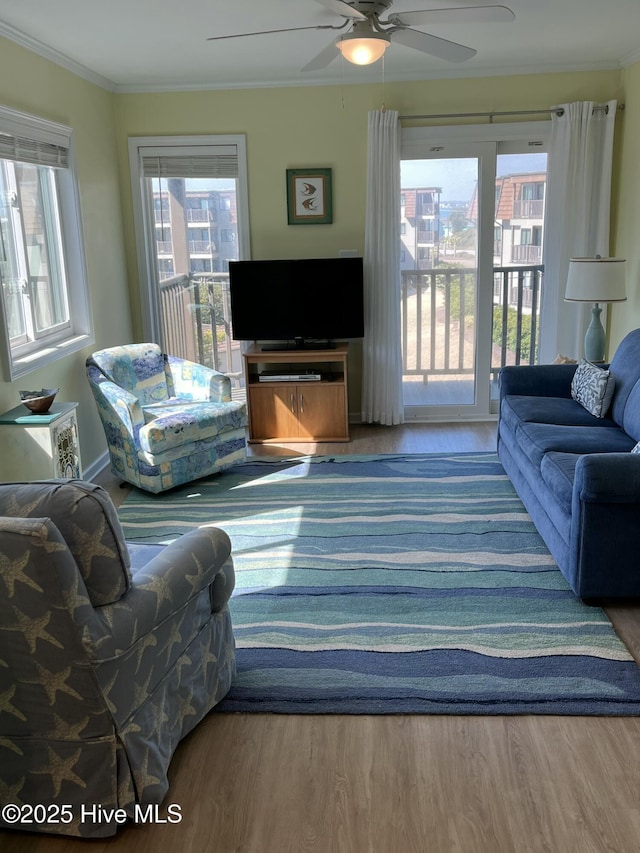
(196, 321)
(439, 318)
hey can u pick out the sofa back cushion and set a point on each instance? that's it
(625, 367)
(631, 420)
(87, 520)
(138, 368)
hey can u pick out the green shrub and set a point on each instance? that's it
(512, 331)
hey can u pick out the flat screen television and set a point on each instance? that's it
(297, 303)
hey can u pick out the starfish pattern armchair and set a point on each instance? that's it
(167, 420)
(110, 653)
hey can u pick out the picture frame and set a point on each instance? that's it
(309, 197)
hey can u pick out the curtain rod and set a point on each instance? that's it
(559, 111)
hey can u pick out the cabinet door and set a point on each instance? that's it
(273, 411)
(321, 411)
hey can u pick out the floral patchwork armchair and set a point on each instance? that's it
(167, 421)
(109, 654)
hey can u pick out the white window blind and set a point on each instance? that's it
(208, 162)
(23, 150)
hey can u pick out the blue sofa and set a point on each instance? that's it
(575, 473)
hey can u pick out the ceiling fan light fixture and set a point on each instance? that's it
(363, 49)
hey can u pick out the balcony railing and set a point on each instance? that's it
(199, 215)
(196, 322)
(200, 247)
(527, 253)
(529, 208)
(439, 318)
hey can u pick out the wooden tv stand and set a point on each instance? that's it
(294, 410)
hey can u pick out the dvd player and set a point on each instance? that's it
(275, 376)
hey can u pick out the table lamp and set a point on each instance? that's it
(595, 280)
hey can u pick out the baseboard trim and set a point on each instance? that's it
(96, 467)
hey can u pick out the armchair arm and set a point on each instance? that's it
(163, 587)
(611, 478)
(122, 403)
(196, 382)
(537, 380)
(605, 534)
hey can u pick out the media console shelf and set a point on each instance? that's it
(283, 406)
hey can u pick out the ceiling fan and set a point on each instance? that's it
(369, 36)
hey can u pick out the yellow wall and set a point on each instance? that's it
(323, 126)
(285, 128)
(35, 85)
(625, 316)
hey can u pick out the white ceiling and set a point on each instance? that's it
(153, 45)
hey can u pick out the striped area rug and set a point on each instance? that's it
(395, 584)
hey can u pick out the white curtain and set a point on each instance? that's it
(577, 217)
(382, 353)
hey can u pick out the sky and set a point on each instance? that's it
(457, 177)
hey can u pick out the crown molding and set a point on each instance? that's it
(46, 52)
(630, 58)
(369, 76)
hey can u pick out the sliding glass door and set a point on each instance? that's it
(472, 217)
(446, 232)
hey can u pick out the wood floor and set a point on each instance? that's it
(396, 784)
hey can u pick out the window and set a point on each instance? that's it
(202, 182)
(45, 302)
(529, 192)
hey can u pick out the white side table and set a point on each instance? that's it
(39, 447)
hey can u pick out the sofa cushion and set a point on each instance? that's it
(186, 423)
(625, 366)
(538, 439)
(558, 472)
(547, 410)
(631, 417)
(593, 387)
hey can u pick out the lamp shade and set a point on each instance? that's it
(363, 45)
(596, 280)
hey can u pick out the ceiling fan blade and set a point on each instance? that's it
(267, 32)
(324, 58)
(433, 45)
(462, 15)
(343, 9)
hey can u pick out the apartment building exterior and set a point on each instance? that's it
(519, 219)
(420, 228)
(196, 230)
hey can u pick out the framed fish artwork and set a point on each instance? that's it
(309, 199)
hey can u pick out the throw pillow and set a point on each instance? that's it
(593, 387)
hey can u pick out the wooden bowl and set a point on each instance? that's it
(39, 402)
